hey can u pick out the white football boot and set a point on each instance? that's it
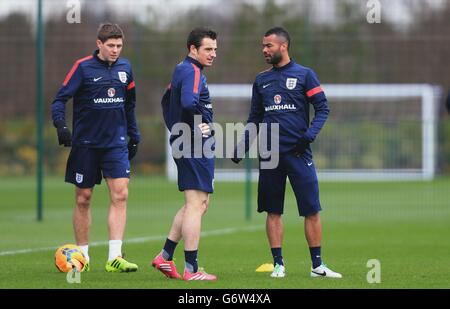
(278, 271)
(324, 271)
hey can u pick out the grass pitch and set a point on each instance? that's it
(403, 225)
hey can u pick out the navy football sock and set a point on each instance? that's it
(315, 256)
(191, 260)
(169, 249)
(277, 256)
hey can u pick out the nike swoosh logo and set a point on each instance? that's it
(310, 163)
(128, 171)
(98, 78)
(321, 274)
(265, 86)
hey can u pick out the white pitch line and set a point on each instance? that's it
(141, 239)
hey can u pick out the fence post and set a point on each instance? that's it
(39, 107)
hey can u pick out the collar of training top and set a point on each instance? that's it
(192, 60)
(286, 66)
(102, 61)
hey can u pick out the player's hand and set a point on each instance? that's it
(132, 148)
(235, 157)
(205, 129)
(64, 135)
(236, 160)
(301, 146)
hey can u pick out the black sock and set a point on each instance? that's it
(169, 249)
(191, 260)
(315, 256)
(277, 256)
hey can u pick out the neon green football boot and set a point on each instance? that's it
(86, 267)
(120, 265)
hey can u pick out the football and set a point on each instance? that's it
(69, 257)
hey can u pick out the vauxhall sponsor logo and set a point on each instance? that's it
(280, 107)
(111, 99)
(108, 100)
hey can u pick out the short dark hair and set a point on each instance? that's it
(197, 35)
(281, 32)
(108, 31)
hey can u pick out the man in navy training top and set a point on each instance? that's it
(104, 99)
(282, 95)
(188, 97)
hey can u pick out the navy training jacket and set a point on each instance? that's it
(283, 95)
(187, 95)
(104, 100)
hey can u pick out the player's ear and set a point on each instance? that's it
(193, 50)
(99, 43)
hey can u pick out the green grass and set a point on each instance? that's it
(403, 225)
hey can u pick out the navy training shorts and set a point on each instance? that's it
(195, 174)
(85, 166)
(303, 178)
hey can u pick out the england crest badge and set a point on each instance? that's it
(123, 77)
(291, 83)
(79, 177)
